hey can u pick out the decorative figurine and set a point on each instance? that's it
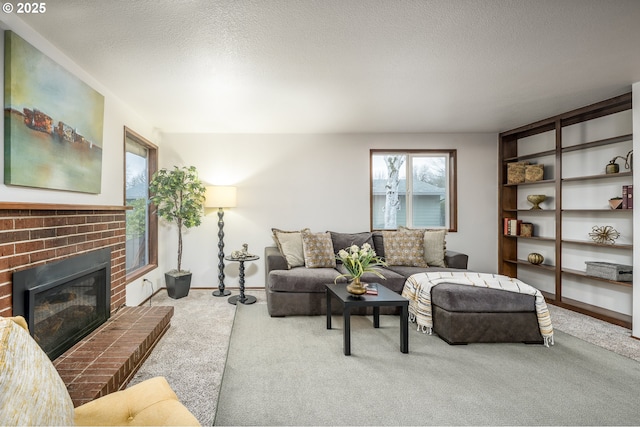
(243, 253)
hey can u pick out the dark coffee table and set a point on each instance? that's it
(385, 297)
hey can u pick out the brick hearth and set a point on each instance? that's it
(106, 360)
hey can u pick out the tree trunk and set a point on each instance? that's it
(392, 200)
(179, 245)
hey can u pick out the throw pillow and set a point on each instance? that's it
(346, 240)
(434, 245)
(404, 248)
(32, 391)
(290, 245)
(318, 250)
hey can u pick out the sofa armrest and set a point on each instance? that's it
(455, 259)
(273, 260)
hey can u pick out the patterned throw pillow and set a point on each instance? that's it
(318, 250)
(290, 245)
(32, 391)
(404, 248)
(434, 245)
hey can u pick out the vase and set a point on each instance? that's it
(536, 199)
(535, 258)
(356, 287)
(615, 203)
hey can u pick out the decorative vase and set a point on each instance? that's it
(356, 287)
(536, 199)
(535, 258)
(615, 203)
(612, 167)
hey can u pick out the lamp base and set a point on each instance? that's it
(221, 293)
(238, 299)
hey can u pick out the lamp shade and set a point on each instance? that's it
(220, 197)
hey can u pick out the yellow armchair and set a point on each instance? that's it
(32, 392)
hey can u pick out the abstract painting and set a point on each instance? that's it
(52, 123)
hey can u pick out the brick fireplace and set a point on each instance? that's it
(34, 234)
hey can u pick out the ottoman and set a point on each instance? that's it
(468, 314)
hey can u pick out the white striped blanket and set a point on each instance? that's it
(417, 289)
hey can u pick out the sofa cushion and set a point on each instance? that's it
(302, 279)
(392, 280)
(471, 299)
(318, 250)
(404, 248)
(407, 271)
(32, 391)
(346, 240)
(290, 245)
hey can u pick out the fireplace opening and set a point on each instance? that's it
(65, 300)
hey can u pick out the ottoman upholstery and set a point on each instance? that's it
(465, 314)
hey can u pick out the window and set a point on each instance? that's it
(142, 226)
(413, 188)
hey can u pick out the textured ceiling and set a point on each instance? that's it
(318, 66)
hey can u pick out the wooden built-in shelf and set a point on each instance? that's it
(602, 245)
(599, 143)
(510, 195)
(610, 316)
(543, 181)
(533, 211)
(548, 267)
(584, 274)
(598, 211)
(547, 239)
(599, 176)
(530, 156)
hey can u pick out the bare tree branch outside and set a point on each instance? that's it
(392, 202)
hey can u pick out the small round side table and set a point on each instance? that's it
(242, 299)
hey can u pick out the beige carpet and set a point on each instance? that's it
(291, 371)
(192, 354)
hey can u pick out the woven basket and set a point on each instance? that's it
(515, 172)
(533, 173)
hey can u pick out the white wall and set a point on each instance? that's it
(636, 213)
(315, 181)
(116, 116)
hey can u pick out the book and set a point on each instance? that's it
(629, 196)
(372, 289)
(510, 226)
(515, 227)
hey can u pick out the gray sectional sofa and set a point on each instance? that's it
(300, 290)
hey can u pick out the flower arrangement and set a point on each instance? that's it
(359, 260)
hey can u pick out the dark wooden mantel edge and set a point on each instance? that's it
(60, 207)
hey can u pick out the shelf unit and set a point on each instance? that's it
(557, 144)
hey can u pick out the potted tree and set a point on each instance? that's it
(179, 197)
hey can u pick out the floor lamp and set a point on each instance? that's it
(221, 197)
